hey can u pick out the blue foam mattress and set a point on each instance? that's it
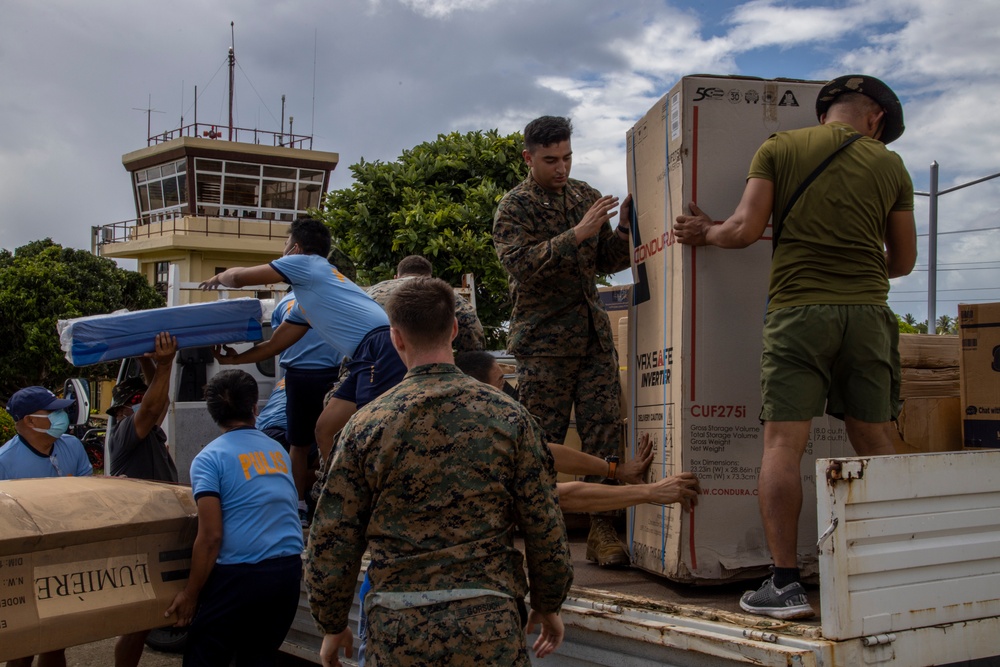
(123, 334)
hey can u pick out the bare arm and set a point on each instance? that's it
(743, 227)
(157, 397)
(574, 462)
(240, 276)
(584, 497)
(286, 335)
(900, 243)
(206, 549)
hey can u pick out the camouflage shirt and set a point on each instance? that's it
(552, 280)
(470, 330)
(434, 476)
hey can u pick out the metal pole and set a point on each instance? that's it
(932, 214)
(281, 137)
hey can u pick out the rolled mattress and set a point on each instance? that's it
(122, 334)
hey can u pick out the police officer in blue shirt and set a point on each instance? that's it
(41, 447)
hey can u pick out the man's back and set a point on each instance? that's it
(831, 248)
(339, 310)
(441, 469)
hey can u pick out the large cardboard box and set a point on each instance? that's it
(979, 329)
(929, 425)
(696, 329)
(84, 558)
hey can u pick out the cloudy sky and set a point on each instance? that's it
(370, 78)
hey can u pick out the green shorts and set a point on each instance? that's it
(841, 358)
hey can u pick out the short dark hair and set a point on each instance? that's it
(414, 265)
(311, 235)
(857, 101)
(230, 397)
(477, 363)
(546, 131)
(423, 310)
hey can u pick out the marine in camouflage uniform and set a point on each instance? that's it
(433, 477)
(560, 333)
(470, 330)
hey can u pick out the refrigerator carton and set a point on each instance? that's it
(695, 329)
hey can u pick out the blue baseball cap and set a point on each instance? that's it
(31, 399)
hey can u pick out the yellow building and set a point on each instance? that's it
(208, 204)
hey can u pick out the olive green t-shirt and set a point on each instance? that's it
(831, 248)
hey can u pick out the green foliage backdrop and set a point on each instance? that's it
(41, 283)
(435, 200)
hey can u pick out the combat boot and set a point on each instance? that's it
(603, 545)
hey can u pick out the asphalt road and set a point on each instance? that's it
(102, 654)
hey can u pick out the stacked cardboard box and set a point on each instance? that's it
(979, 329)
(929, 420)
(696, 324)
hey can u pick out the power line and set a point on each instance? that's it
(963, 231)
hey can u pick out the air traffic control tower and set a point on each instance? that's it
(208, 198)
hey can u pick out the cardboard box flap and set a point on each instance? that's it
(72, 510)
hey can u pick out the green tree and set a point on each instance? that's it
(946, 324)
(436, 200)
(41, 283)
(7, 430)
(907, 324)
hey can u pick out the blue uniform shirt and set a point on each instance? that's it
(273, 414)
(19, 460)
(311, 352)
(326, 300)
(249, 473)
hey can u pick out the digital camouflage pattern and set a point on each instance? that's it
(475, 632)
(470, 330)
(433, 477)
(560, 332)
(553, 281)
(550, 386)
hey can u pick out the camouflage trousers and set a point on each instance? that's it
(551, 386)
(476, 632)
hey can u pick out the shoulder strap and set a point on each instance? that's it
(777, 226)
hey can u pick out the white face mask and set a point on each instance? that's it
(58, 423)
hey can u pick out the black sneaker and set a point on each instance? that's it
(784, 603)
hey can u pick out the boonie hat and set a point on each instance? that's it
(871, 87)
(32, 399)
(126, 392)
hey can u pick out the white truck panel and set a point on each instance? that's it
(916, 543)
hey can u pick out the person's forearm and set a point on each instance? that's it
(574, 462)
(203, 555)
(586, 497)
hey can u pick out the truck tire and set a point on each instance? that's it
(167, 640)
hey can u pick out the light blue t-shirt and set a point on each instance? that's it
(326, 300)
(19, 460)
(273, 414)
(250, 474)
(311, 352)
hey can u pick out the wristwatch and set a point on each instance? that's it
(612, 466)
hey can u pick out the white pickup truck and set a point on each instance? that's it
(909, 555)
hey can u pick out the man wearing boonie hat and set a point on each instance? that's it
(843, 226)
(41, 448)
